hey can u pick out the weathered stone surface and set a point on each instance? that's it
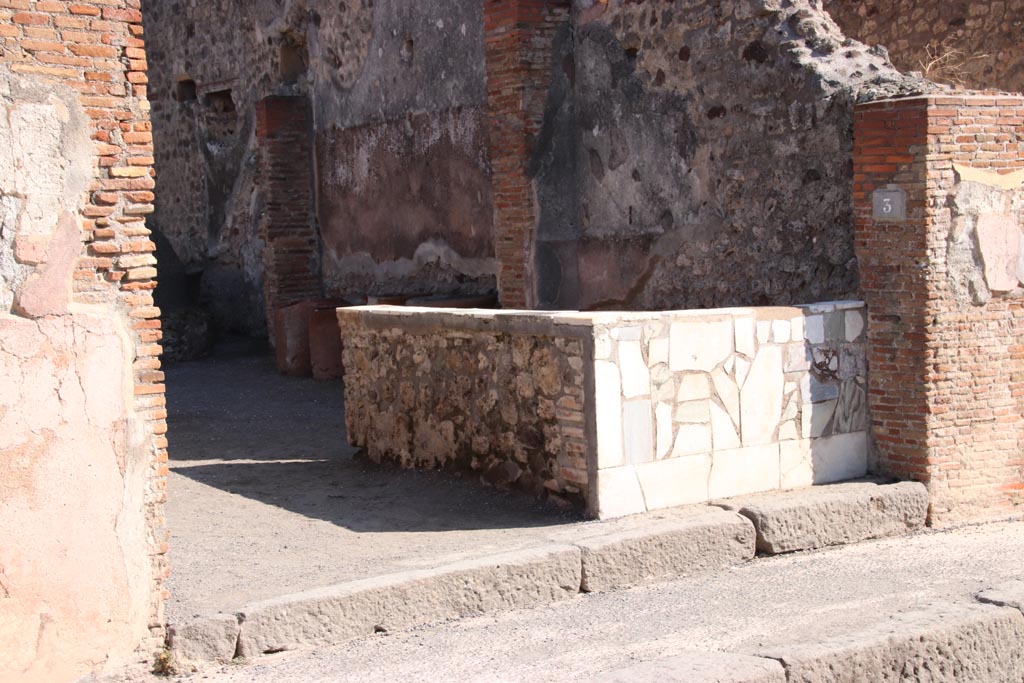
(1010, 594)
(206, 639)
(945, 643)
(832, 515)
(700, 667)
(680, 544)
(526, 578)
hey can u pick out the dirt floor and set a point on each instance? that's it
(266, 499)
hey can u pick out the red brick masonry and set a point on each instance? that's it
(946, 374)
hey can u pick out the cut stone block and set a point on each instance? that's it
(619, 493)
(206, 639)
(744, 470)
(944, 643)
(525, 578)
(681, 543)
(840, 457)
(824, 516)
(700, 667)
(675, 482)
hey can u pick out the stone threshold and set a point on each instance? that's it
(599, 557)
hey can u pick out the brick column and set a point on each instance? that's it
(941, 281)
(292, 247)
(518, 37)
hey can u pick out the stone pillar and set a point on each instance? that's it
(288, 228)
(939, 204)
(518, 36)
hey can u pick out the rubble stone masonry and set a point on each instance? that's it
(967, 44)
(82, 411)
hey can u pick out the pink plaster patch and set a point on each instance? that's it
(999, 239)
(48, 290)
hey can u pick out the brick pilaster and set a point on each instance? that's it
(946, 374)
(292, 247)
(518, 37)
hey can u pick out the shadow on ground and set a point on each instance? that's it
(236, 424)
(265, 497)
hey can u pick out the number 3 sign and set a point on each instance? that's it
(889, 205)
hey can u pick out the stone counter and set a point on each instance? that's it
(613, 413)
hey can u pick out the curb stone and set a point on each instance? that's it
(837, 514)
(601, 557)
(666, 550)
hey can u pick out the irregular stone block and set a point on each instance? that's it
(945, 643)
(679, 544)
(206, 639)
(700, 667)
(832, 515)
(700, 345)
(608, 405)
(526, 578)
(761, 397)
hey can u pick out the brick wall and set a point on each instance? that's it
(96, 48)
(518, 37)
(947, 363)
(288, 227)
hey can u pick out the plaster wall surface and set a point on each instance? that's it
(397, 91)
(969, 44)
(76, 576)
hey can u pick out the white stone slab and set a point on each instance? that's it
(724, 433)
(638, 431)
(608, 407)
(658, 351)
(700, 345)
(795, 464)
(693, 388)
(619, 493)
(676, 481)
(814, 329)
(663, 418)
(726, 389)
(693, 412)
(780, 331)
(692, 439)
(636, 378)
(761, 397)
(744, 470)
(746, 337)
(840, 457)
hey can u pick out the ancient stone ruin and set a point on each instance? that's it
(740, 246)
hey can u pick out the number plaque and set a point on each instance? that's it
(890, 205)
